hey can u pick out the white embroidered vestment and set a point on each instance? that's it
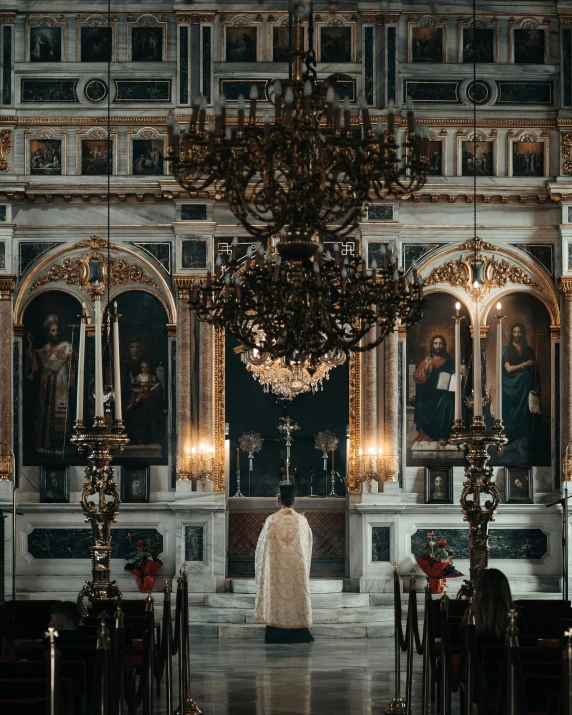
(283, 556)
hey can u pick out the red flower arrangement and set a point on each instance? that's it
(437, 562)
(143, 562)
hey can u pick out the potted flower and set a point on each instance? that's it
(143, 561)
(437, 562)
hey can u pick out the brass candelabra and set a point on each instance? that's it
(477, 440)
(101, 511)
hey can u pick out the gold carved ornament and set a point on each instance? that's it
(5, 148)
(566, 152)
(76, 271)
(497, 272)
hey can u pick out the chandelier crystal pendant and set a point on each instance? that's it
(289, 380)
(295, 182)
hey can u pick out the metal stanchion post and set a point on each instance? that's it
(167, 636)
(150, 628)
(512, 705)
(567, 657)
(397, 704)
(426, 684)
(181, 648)
(410, 645)
(103, 643)
(116, 705)
(445, 695)
(469, 684)
(53, 709)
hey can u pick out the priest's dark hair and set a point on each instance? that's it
(287, 493)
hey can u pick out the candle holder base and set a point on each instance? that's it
(477, 511)
(396, 707)
(118, 427)
(100, 503)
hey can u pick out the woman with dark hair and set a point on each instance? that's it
(492, 602)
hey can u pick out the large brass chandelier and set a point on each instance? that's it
(295, 180)
(289, 379)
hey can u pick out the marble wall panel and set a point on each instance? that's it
(194, 254)
(391, 64)
(434, 91)
(543, 253)
(7, 65)
(29, 251)
(525, 93)
(381, 212)
(193, 212)
(207, 63)
(142, 90)
(48, 543)
(161, 252)
(184, 66)
(53, 90)
(368, 65)
(416, 252)
(380, 536)
(520, 544)
(194, 543)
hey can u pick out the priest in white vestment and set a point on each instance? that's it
(283, 557)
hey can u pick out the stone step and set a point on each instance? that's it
(319, 631)
(322, 585)
(319, 600)
(320, 616)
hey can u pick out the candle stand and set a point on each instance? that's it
(478, 485)
(102, 511)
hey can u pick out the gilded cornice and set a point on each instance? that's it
(565, 285)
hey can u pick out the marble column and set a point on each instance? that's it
(7, 285)
(184, 437)
(391, 411)
(206, 384)
(565, 360)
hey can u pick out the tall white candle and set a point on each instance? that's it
(477, 385)
(81, 365)
(458, 414)
(499, 363)
(98, 361)
(116, 365)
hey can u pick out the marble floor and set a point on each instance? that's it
(349, 677)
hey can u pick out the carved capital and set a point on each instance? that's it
(565, 284)
(183, 285)
(554, 332)
(171, 330)
(7, 287)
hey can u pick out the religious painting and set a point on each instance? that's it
(435, 155)
(518, 485)
(529, 46)
(427, 44)
(147, 44)
(135, 484)
(45, 157)
(96, 44)
(51, 337)
(144, 386)
(45, 44)
(526, 381)
(438, 485)
(478, 46)
(477, 155)
(148, 157)
(96, 157)
(528, 158)
(336, 44)
(54, 485)
(241, 44)
(430, 394)
(280, 44)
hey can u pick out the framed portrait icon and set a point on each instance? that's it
(518, 485)
(439, 485)
(54, 484)
(135, 484)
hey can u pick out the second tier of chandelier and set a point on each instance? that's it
(298, 182)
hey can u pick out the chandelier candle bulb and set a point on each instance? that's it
(337, 113)
(222, 102)
(308, 96)
(81, 364)
(477, 384)
(202, 114)
(410, 117)
(116, 367)
(458, 411)
(253, 98)
(390, 119)
(347, 108)
(209, 275)
(374, 270)
(234, 245)
(195, 112)
(173, 132)
(266, 126)
(330, 95)
(98, 360)
(499, 363)
(362, 104)
(240, 105)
